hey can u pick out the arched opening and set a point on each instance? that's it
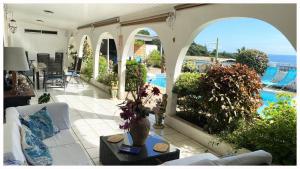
(84, 61)
(227, 98)
(144, 47)
(210, 45)
(249, 62)
(105, 58)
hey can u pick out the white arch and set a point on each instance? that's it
(125, 54)
(104, 35)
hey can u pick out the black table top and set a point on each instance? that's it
(146, 150)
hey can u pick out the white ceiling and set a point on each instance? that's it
(70, 16)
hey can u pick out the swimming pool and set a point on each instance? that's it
(267, 96)
(157, 79)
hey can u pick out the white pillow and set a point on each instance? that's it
(253, 158)
(12, 143)
(12, 115)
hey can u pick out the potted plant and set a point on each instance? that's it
(159, 112)
(135, 114)
(114, 86)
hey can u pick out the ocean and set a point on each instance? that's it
(283, 59)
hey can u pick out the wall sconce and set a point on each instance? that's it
(171, 19)
(12, 25)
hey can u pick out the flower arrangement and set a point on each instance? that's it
(135, 109)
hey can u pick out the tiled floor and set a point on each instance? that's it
(93, 114)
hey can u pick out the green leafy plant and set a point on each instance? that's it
(45, 98)
(154, 59)
(102, 65)
(187, 84)
(108, 79)
(197, 50)
(229, 94)
(139, 43)
(254, 59)
(144, 32)
(275, 133)
(189, 66)
(132, 79)
(132, 66)
(87, 68)
(186, 88)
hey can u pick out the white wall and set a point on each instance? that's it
(39, 43)
(150, 48)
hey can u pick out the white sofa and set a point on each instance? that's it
(64, 147)
(259, 157)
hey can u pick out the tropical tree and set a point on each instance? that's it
(197, 50)
(144, 32)
(254, 59)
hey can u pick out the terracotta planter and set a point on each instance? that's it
(139, 131)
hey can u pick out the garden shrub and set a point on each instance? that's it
(133, 74)
(228, 94)
(187, 84)
(87, 69)
(139, 43)
(154, 59)
(102, 65)
(107, 78)
(275, 133)
(189, 66)
(87, 59)
(186, 88)
(254, 59)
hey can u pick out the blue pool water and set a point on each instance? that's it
(158, 80)
(267, 96)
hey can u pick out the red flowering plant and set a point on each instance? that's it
(134, 110)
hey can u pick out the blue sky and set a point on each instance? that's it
(238, 32)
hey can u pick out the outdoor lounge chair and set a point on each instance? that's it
(289, 78)
(269, 75)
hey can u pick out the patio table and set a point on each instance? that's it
(110, 155)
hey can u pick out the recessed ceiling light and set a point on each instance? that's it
(39, 20)
(48, 12)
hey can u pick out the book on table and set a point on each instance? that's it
(129, 149)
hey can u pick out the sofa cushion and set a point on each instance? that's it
(253, 158)
(204, 158)
(35, 151)
(62, 138)
(12, 150)
(59, 113)
(12, 115)
(40, 123)
(69, 154)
